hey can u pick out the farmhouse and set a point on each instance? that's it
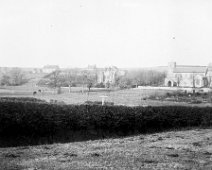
(188, 76)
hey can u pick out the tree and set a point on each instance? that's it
(54, 80)
(136, 82)
(16, 76)
(89, 85)
(88, 78)
(193, 76)
(5, 80)
(142, 78)
(107, 85)
(123, 82)
(69, 78)
(84, 79)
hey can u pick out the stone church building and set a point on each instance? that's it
(188, 76)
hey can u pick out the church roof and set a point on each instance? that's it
(189, 69)
(210, 68)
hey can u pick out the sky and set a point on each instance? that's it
(123, 33)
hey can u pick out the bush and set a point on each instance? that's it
(30, 122)
(98, 103)
(100, 85)
(196, 101)
(57, 102)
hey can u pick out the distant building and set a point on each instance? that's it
(188, 76)
(50, 68)
(36, 71)
(92, 67)
(109, 74)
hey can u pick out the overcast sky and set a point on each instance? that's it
(124, 33)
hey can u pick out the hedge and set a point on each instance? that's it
(24, 123)
(22, 99)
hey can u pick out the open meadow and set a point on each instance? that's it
(127, 97)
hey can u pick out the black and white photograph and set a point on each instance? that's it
(105, 84)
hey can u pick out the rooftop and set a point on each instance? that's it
(189, 69)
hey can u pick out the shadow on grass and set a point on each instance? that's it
(77, 136)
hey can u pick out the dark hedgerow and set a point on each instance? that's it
(24, 123)
(22, 99)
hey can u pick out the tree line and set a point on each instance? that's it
(90, 79)
(13, 77)
(141, 78)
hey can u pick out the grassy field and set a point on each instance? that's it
(188, 149)
(128, 97)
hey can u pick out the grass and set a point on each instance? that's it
(128, 97)
(189, 149)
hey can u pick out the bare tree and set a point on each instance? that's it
(54, 78)
(69, 79)
(84, 79)
(194, 82)
(107, 85)
(5, 80)
(16, 76)
(89, 85)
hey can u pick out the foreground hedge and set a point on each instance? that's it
(34, 123)
(22, 99)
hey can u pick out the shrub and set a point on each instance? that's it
(98, 103)
(100, 85)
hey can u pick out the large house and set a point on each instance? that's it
(189, 76)
(109, 74)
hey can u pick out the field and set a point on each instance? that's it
(128, 97)
(187, 149)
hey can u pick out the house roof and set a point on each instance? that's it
(190, 69)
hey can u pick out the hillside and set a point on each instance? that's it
(189, 149)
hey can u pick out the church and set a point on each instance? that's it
(188, 76)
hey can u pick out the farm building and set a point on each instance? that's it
(188, 76)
